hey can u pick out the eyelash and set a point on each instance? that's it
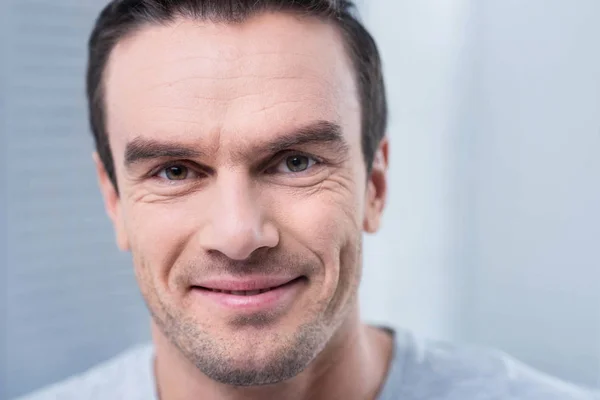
(275, 161)
(270, 165)
(154, 173)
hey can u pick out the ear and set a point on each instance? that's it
(376, 188)
(112, 203)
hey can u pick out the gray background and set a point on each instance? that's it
(493, 227)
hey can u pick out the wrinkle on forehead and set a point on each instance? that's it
(267, 35)
(271, 71)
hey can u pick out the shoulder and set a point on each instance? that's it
(127, 376)
(450, 372)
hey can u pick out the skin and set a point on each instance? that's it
(231, 108)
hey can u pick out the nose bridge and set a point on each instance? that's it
(237, 224)
(240, 208)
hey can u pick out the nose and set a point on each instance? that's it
(237, 225)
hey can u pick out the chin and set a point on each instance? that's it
(265, 367)
(252, 357)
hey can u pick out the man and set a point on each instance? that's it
(241, 153)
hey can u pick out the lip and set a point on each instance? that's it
(255, 283)
(281, 294)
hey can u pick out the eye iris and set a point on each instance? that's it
(176, 172)
(297, 163)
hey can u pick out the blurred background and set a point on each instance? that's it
(492, 232)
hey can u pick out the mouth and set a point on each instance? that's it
(252, 292)
(251, 295)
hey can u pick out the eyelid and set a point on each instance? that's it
(269, 164)
(276, 161)
(192, 166)
(287, 153)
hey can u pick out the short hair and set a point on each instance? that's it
(121, 18)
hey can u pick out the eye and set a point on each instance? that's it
(295, 163)
(175, 172)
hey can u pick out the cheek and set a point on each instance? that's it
(326, 221)
(158, 234)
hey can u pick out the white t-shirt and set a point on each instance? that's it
(420, 370)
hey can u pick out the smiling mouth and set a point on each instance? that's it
(249, 292)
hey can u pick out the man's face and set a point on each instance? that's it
(242, 188)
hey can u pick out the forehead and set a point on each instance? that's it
(202, 80)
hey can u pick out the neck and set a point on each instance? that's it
(353, 365)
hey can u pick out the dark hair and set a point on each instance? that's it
(122, 17)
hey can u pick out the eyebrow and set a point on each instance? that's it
(315, 133)
(140, 149)
(320, 132)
